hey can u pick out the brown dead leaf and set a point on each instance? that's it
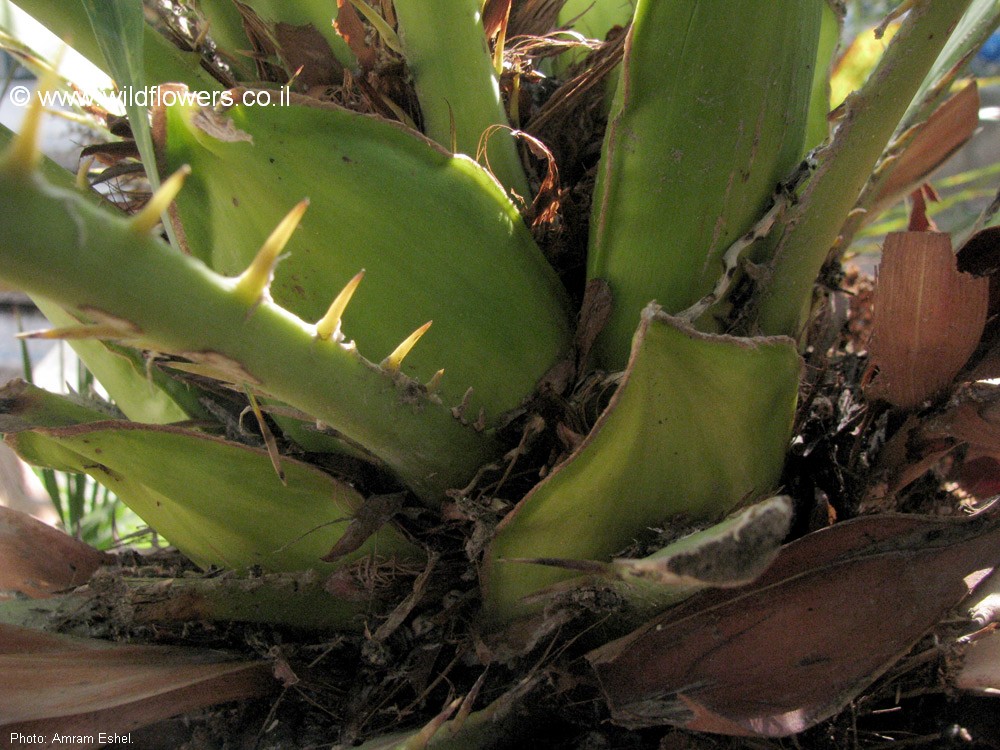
(305, 49)
(534, 17)
(929, 146)
(348, 24)
(980, 670)
(38, 560)
(919, 220)
(928, 319)
(374, 513)
(264, 45)
(980, 256)
(78, 686)
(833, 613)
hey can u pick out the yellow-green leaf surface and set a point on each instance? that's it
(436, 235)
(592, 19)
(143, 394)
(448, 56)
(98, 265)
(699, 424)
(220, 503)
(709, 117)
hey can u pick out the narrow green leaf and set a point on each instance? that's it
(976, 26)
(456, 83)
(219, 502)
(818, 127)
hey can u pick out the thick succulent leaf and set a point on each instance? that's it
(24, 406)
(220, 503)
(732, 96)
(85, 687)
(165, 301)
(436, 235)
(728, 554)
(836, 610)
(870, 117)
(699, 423)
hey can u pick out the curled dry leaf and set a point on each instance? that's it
(927, 146)
(929, 318)
(38, 560)
(76, 686)
(835, 611)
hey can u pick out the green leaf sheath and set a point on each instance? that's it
(818, 127)
(699, 423)
(870, 118)
(709, 116)
(446, 50)
(436, 235)
(95, 264)
(143, 394)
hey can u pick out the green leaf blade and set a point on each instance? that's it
(709, 117)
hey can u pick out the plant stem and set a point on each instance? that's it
(871, 116)
(459, 94)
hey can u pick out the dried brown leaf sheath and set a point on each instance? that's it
(929, 318)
